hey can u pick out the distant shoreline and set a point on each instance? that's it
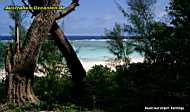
(70, 37)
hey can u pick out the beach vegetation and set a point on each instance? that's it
(20, 16)
(2, 54)
(139, 25)
(118, 45)
(161, 80)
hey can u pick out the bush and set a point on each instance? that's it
(2, 54)
(55, 88)
(2, 91)
(98, 88)
(144, 84)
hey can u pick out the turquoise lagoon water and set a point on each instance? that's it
(89, 47)
(96, 50)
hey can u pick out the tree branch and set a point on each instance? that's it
(23, 1)
(66, 11)
(73, 62)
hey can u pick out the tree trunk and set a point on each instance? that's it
(18, 87)
(20, 65)
(73, 62)
(77, 71)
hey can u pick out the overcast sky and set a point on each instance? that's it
(90, 18)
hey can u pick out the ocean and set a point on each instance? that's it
(91, 48)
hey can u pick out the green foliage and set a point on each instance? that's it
(144, 84)
(164, 81)
(2, 54)
(179, 11)
(97, 92)
(56, 108)
(50, 54)
(117, 45)
(161, 44)
(140, 25)
(18, 16)
(158, 42)
(99, 77)
(2, 90)
(139, 17)
(99, 71)
(55, 87)
(57, 75)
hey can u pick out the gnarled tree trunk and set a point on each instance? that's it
(20, 65)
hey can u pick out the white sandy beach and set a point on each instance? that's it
(88, 64)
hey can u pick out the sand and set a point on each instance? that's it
(88, 64)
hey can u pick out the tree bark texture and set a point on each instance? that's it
(20, 65)
(76, 69)
(74, 64)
